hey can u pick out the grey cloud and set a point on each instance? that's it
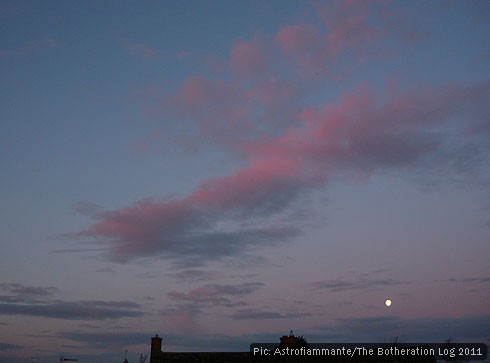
(216, 245)
(346, 285)
(480, 280)
(18, 299)
(82, 310)
(206, 275)
(214, 294)
(195, 275)
(249, 314)
(88, 209)
(417, 129)
(20, 289)
(189, 240)
(7, 346)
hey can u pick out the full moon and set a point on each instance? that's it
(388, 302)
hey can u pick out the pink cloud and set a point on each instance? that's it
(214, 108)
(290, 138)
(229, 215)
(248, 186)
(185, 227)
(299, 38)
(250, 58)
(197, 93)
(230, 112)
(347, 23)
(262, 89)
(271, 92)
(359, 133)
(345, 27)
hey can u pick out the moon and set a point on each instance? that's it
(388, 302)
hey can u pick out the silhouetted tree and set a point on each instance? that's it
(396, 340)
(301, 342)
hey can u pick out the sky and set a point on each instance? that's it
(221, 172)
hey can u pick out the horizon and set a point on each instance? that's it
(220, 173)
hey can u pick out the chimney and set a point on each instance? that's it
(156, 349)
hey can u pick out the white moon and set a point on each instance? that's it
(388, 302)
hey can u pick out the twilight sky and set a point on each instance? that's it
(220, 172)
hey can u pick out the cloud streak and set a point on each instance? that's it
(81, 310)
(252, 314)
(292, 139)
(6, 347)
(216, 295)
(357, 134)
(186, 228)
(37, 301)
(478, 280)
(30, 291)
(358, 284)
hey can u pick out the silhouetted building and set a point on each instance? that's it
(288, 341)
(156, 349)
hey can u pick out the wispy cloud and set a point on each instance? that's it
(196, 275)
(6, 347)
(38, 301)
(80, 310)
(29, 291)
(266, 109)
(229, 215)
(355, 284)
(473, 284)
(253, 314)
(478, 280)
(190, 236)
(216, 295)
